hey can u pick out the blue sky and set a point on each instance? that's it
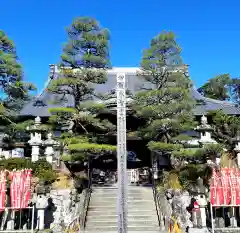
(208, 31)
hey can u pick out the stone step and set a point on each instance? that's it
(135, 222)
(114, 198)
(114, 186)
(115, 192)
(96, 231)
(130, 208)
(102, 212)
(113, 211)
(129, 202)
(130, 217)
(141, 190)
(145, 191)
(109, 227)
(128, 189)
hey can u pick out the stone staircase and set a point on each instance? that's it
(102, 213)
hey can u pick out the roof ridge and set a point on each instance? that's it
(45, 87)
(220, 101)
(213, 100)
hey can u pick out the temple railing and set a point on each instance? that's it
(159, 208)
(87, 198)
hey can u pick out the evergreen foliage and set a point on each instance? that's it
(226, 128)
(40, 169)
(83, 65)
(235, 90)
(166, 105)
(217, 87)
(14, 92)
(222, 87)
(80, 147)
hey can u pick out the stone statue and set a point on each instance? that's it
(180, 202)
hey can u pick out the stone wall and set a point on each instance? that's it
(63, 206)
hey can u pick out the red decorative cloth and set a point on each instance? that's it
(20, 188)
(214, 189)
(3, 189)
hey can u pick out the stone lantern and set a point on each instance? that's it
(237, 148)
(205, 134)
(51, 145)
(3, 154)
(202, 202)
(36, 139)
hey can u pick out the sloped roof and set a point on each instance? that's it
(205, 105)
(45, 100)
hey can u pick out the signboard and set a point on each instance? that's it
(121, 154)
(18, 153)
(131, 156)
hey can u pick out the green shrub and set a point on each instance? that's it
(41, 169)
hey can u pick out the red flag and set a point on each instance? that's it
(3, 189)
(225, 186)
(26, 188)
(238, 187)
(20, 188)
(233, 186)
(213, 188)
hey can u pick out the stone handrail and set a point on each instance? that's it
(165, 210)
(87, 197)
(159, 208)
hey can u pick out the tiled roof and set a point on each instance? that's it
(134, 83)
(205, 105)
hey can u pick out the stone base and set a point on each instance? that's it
(198, 230)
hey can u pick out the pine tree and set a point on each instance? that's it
(83, 65)
(166, 104)
(15, 92)
(217, 87)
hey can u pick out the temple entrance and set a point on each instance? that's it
(104, 167)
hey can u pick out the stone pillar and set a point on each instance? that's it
(202, 205)
(36, 139)
(41, 205)
(195, 213)
(154, 166)
(10, 220)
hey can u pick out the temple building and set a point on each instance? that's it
(39, 107)
(134, 83)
